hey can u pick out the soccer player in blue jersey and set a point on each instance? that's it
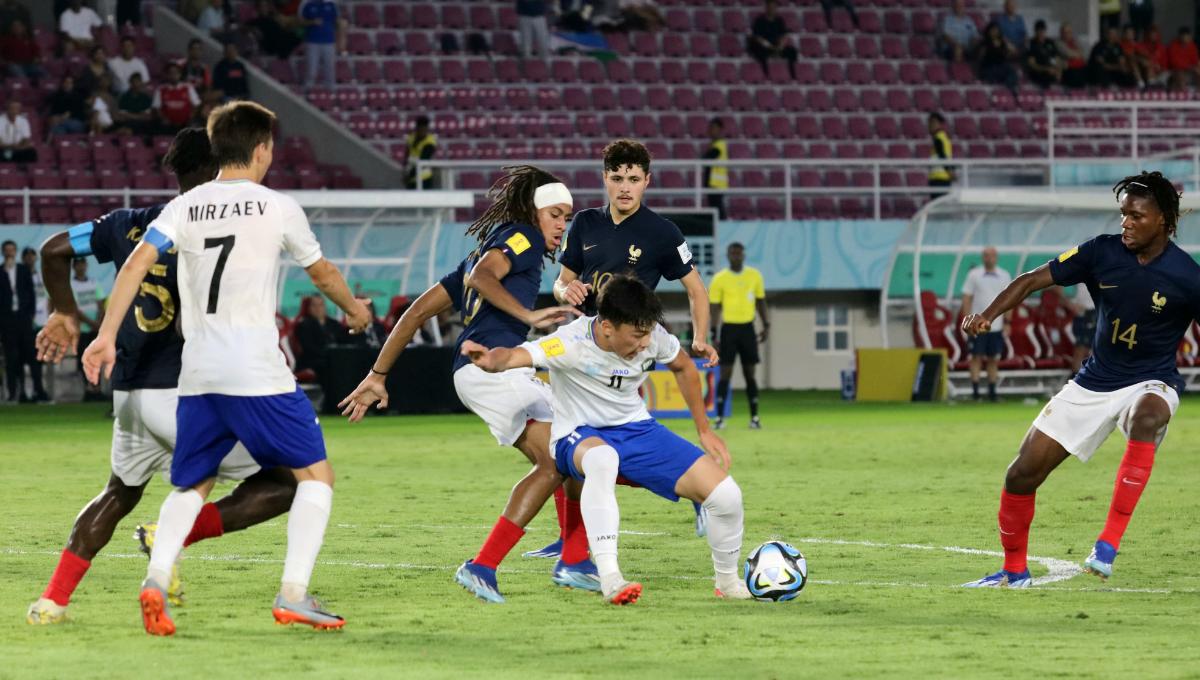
(623, 237)
(144, 388)
(495, 288)
(602, 429)
(1147, 292)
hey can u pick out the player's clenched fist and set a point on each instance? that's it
(974, 324)
(358, 317)
(575, 292)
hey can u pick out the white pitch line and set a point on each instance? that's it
(508, 570)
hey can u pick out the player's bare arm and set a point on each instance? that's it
(102, 353)
(1022, 287)
(60, 335)
(568, 289)
(329, 280)
(373, 387)
(698, 301)
(761, 306)
(486, 278)
(496, 360)
(688, 379)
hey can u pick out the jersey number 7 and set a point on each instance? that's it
(225, 243)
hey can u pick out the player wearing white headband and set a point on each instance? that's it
(495, 288)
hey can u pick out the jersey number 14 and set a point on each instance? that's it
(1128, 337)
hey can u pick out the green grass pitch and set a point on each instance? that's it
(878, 497)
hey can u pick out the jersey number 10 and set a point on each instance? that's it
(225, 243)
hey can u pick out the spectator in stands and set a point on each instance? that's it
(940, 176)
(1136, 55)
(195, 70)
(995, 59)
(274, 38)
(320, 39)
(17, 308)
(315, 333)
(1107, 63)
(94, 72)
(1076, 72)
(41, 305)
(957, 33)
(640, 15)
(229, 75)
(126, 64)
(16, 137)
(10, 11)
(1012, 25)
(1183, 60)
(769, 38)
(20, 53)
(76, 25)
(828, 5)
(1042, 60)
(1156, 51)
(101, 105)
(129, 13)
(175, 101)
(212, 18)
(89, 299)
(1110, 14)
(191, 9)
(1141, 16)
(421, 144)
(983, 285)
(716, 176)
(65, 112)
(533, 28)
(135, 111)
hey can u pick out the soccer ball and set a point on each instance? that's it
(775, 572)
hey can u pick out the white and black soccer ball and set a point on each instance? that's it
(775, 572)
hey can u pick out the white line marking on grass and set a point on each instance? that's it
(1060, 570)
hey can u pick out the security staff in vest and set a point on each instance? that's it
(421, 144)
(736, 294)
(940, 176)
(716, 176)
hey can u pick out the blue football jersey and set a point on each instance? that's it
(525, 248)
(1142, 310)
(644, 244)
(149, 345)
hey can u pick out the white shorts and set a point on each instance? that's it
(1081, 419)
(506, 401)
(144, 438)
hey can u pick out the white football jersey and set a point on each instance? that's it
(230, 236)
(594, 387)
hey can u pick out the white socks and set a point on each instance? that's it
(724, 506)
(601, 517)
(306, 532)
(175, 520)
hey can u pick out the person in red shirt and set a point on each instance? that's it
(1156, 51)
(174, 100)
(20, 54)
(1183, 60)
(1136, 56)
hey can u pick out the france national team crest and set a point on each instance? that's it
(1157, 302)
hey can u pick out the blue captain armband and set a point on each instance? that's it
(81, 238)
(159, 240)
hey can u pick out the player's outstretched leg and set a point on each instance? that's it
(722, 502)
(307, 520)
(175, 520)
(599, 464)
(575, 569)
(1148, 423)
(92, 531)
(1038, 457)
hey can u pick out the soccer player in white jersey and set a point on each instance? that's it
(601, 427)
(234, 384)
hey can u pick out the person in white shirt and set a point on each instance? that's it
(235, 384)
(76, 24)
(602, 429)
(126, 64)
(982, 286)
(16, 137)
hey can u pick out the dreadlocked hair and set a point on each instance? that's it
(512, 200)
(1153, 185)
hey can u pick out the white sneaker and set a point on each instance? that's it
(45, 612)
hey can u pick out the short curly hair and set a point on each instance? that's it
(624, 152)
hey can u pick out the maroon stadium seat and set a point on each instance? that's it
(395, 15)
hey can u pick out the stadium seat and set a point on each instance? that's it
(395, 15)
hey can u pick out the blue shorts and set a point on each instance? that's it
(651, 455)
(990, 344)
(279, 430)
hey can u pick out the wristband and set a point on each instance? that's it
(378, 372)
